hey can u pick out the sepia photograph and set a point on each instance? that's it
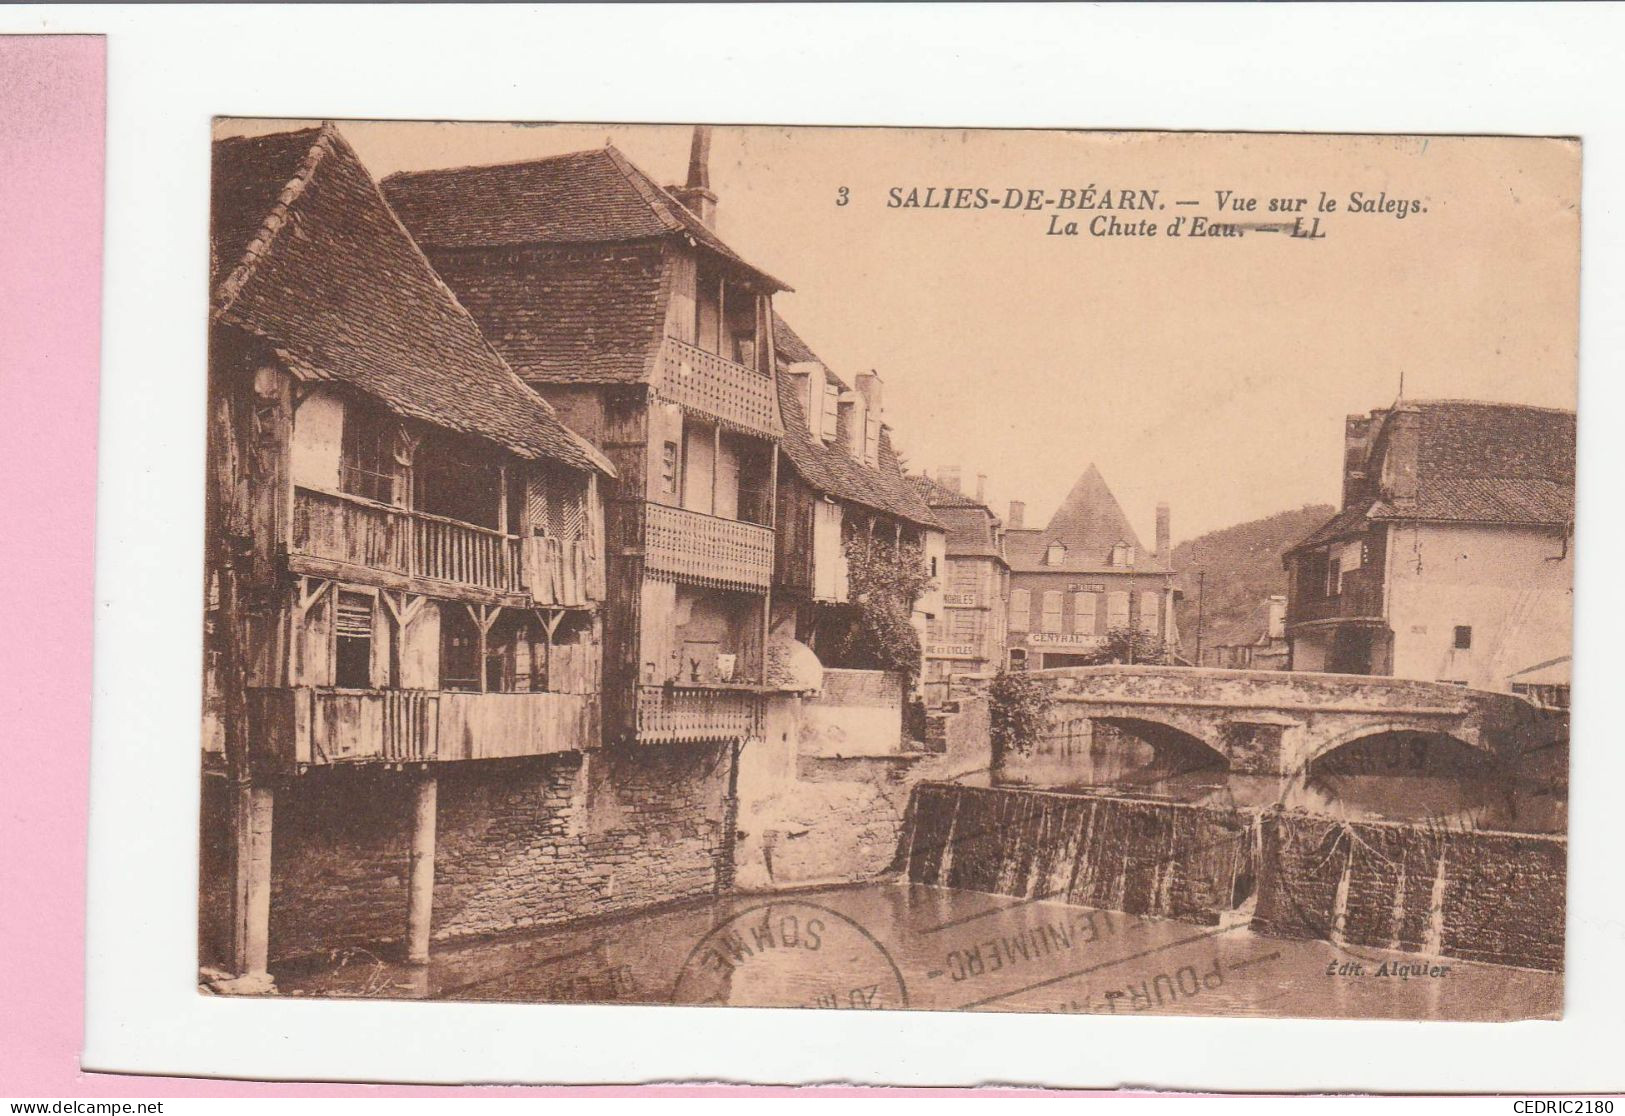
(1114, 573)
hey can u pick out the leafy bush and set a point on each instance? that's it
(1131, 645)
(1018, 710)
(884, 580)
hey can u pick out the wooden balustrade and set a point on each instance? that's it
(343, 528)
(1360, 598)
(319, 725)
(681, 714)
(718, 387)
(707, 549)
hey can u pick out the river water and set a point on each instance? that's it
(896, 945)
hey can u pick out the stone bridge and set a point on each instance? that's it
(1281, 722)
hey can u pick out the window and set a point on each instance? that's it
(933, 565)
(1464, 637)
(1149, 608)
(1018, 658)
(871, 441)
(459, 649)
(668, 469)
(1122, 555)
(352, 631)
(831, 424)
(1054, 554)
(367, 454)
(962, 626)
(1020, 610)
(1084, 609)
(1052, 612)
(1116, 610)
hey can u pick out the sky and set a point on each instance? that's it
(1213, 373)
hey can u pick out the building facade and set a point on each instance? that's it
(1451, 558)
(969, 637)
(840, 486)
(614, 298)
(404, 543)
(1083, 578)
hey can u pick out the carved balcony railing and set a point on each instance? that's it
(694, 714)
(316, 725)
(707, 549)
(337, 527)
(715, 386)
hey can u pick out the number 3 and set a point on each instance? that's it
(842, 195)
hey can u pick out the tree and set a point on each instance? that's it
(1132, 645)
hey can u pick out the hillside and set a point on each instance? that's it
(1243, 566)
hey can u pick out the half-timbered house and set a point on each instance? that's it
(615, 299)
(405, 543)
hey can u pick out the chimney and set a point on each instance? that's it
(1018, 516)
(696, 193)
(1164, 550)
(981, 488)
(869, 387)
(948, 477)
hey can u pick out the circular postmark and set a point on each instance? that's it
(790, 953)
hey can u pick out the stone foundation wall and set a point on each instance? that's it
(520, 843)
(807, 818)
(1480, 896)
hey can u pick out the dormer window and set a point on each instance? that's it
(1122, 554)
(829, 422)
(1054, 554)
(871, 441)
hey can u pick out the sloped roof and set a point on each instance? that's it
(1088, 523)
(939, 496)
(584, 197)
(582, 315)
(314, 263)
(827, 467)
(1493, 463)
(1476, 462)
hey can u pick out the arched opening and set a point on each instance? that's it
(1130, 755)
(1411, 775)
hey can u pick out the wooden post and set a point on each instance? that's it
(251, 896)
(716, 462)
(420, 889)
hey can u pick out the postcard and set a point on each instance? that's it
(1115, 573)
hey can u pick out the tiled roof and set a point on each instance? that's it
(1348, 522)
(827, 467)
(591, 314)
(939, 496)
(1089, 523)
(328, 278)
(1495, 463)
(968, 522)
(585, 197)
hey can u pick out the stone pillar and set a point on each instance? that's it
(251, 898)
(420, 885)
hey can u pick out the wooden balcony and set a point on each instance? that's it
(317, 725)
(717, 387)
(707, 549)
(1360, 599)
(692, 714)
(361, 534)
